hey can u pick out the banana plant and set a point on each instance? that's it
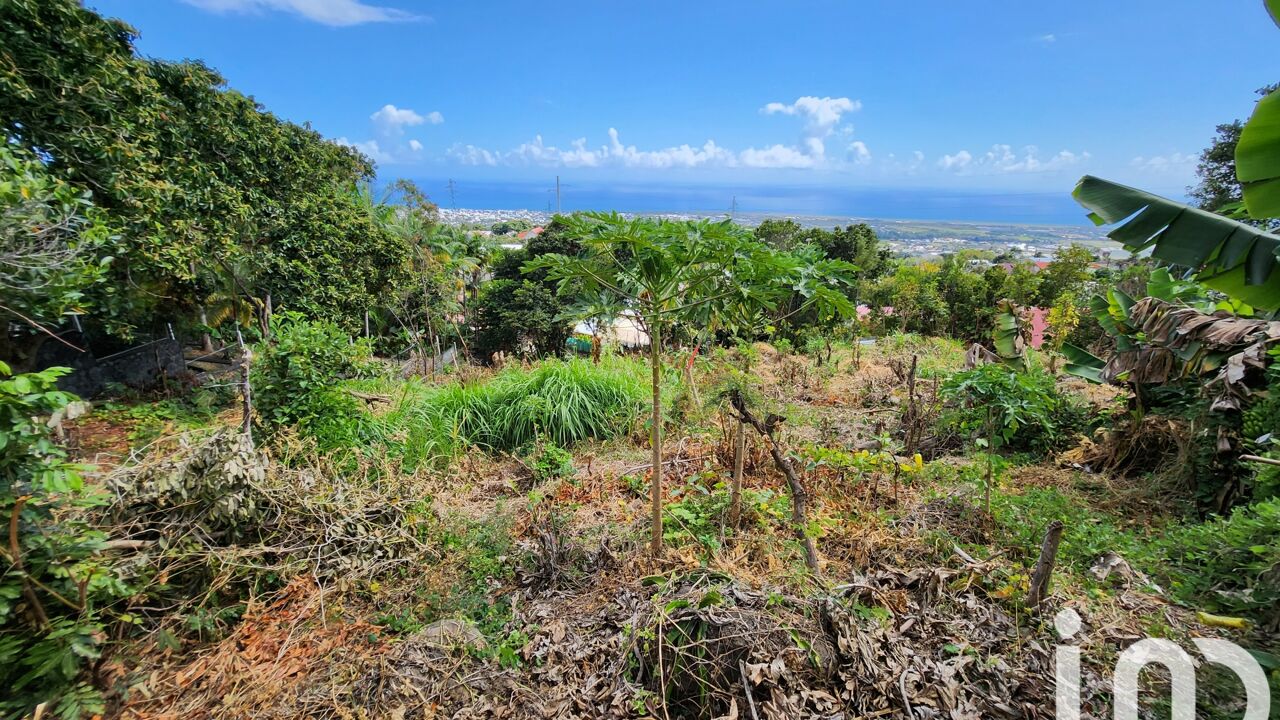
(1236, 259)
(1231, 257)
(1258, 151)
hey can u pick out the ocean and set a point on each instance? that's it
(1043, 208)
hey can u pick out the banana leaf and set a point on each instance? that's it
(1008, 337)
(1258, 158)
(1239, 260)
(1082, 363)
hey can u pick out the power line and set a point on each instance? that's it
(557, 192)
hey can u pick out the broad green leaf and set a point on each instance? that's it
(1082, 363)
(1258, 157)
(1237, 259)
(1273, 7)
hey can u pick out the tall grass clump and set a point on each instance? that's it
(564, 402)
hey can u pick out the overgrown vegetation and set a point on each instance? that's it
(392, 496)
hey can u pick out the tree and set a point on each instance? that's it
(661, 269)
(1066, 273)
(191, 175)
(50, 235)
(780, 234)
(1062, 321)
(912, 291)
(668, 271)
(511, 227)
(525, 311)
(963, 292)
(1219, 190)
(859, 245)
(1017, 281)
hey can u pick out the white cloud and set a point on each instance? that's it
(471, 155)
(336, 13)
(893, 165)
(388, 144)
(777, 156)
(680, 156)
(1174, 163)
(821, 116)
(393, 120)
(1001, 159)
(959, 161)
(822, 113)
(1047, 39)
(859, 153)
(537, 152)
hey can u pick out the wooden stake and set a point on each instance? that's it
(1044, 566)
(246, 417)
(739, 460)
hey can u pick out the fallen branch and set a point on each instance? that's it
(673, 461)
(371, 399)
(746, 686)
(127, 544)
(799, 495)
(1263, 460)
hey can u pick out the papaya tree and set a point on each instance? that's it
(668, 272)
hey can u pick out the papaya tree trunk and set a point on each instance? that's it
(655, 437)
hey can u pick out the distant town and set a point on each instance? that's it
(914, 238)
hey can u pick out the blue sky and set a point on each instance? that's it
(992, 95)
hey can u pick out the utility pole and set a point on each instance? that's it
(733, 207)
(453, 203)
(557, 194)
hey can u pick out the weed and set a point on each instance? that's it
(549, 462)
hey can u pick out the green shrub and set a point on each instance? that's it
(1227, 564)
(52, 592)
(1022, 519)
(699, 507)
(295, 375)
(1224, 565)
(550, 461)
(1021, 410)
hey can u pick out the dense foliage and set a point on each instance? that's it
(52, 244)
(295, 376)
(518, 312)
(55, 582)
(202, 187)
